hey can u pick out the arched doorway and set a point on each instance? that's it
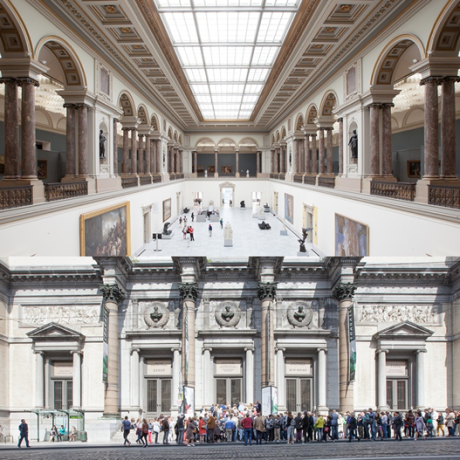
(227, 194)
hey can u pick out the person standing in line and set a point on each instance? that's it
(211, 427)
(190, 231)
(352, 424)
(126, 427)
(246, 424)
(190, 432)
(440, 425)
(145, 432)
(210, 230)
(334, 425)
(180, 429)
(165, 429)
(156, 429)
(398, 424)
(450, 422)
(23, 433)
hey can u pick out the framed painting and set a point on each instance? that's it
(351, 237)
(413, 169)
(2, 164)
(211, 169)
(42, 169)
(106, 232)
(289, 208)
(228, 169)
(166, 209)
(200, 169)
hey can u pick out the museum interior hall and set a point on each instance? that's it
(121, 118)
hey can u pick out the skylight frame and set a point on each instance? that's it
(202, 59)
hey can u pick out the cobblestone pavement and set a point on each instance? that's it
(431, 449)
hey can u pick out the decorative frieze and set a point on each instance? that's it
(61, 314)
(421, 314)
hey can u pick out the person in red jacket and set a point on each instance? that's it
(247, 424)
(191, 230)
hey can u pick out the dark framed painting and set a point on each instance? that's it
(289, 208)
(42, 169)
(166, 209)
(351, 237)
(413, 169)
(106, 232)
(200, 169)
(228, 169)
(211, 169)
(2, 164)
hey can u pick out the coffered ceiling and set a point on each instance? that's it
(227, 65)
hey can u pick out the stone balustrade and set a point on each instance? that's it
(398, 190)
(444, 195)
(16, 196)
(309, 180)
(128, 182)
(145, 180)
(62, 190)
(326, 181)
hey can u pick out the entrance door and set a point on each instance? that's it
(228, 391)
(227, 196)
(298, 394)
(158, 397)
(147, 227)
(397, 394)
(62, 394)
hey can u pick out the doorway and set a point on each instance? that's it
(228, 390)
(158, 397)
(307, 221)
(227, 196)
(275, 203)
(147, 224)
(298, 394)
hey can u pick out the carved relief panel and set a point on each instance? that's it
(158, 315)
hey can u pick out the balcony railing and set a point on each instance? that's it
(62, 190)
(16, 196)
(310, 180)
(398, 190)
(444, 195)
(279, 176)
(127, 182)
(156, 178)
(145, 180)
(326, 182)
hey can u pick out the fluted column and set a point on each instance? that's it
(133, 151)
(448, 163)
(82, 140)
(115, 147)
(382, 380)
(40, 380)
(147, 155)
(249, 374)
(321, 151)
(125, 166)
(12, 162)
(322, 381)
(70, 166)
(344, 292)
(266, 294)
(330, 163)
(29, 157)
(280, 377)
(140, 163)
(135, 402)
(375, 140)
(314, 159)
(431, 132)
(112, 296)
(420, 382)
(387, 169)
(340, 121)
(76, 382)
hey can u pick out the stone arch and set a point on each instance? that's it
(273, 139)
(311, 115)
(394, 123)
(226, 185)
(384, 72)
(126, 102)
(205, 145)
(143, 114)
(175, 136)
(14, 37)
(299, 122)
(227, 144)
(74, 76)
(248, 144)
(43, 115)
(277, 138)
(413, 117)
(329, 102)
(180, 139)
(444, 39)
(155, 123)
(170, 133)
(283, 132)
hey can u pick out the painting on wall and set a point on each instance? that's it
(106, 232)
(228, 169)
(166, 209)
(211, 169)
(351, 237)
(42, 169)
(200, 169)
(413, 169)
(289, 208)
(2, 164)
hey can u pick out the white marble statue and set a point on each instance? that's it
(228, 232)
(247, 173)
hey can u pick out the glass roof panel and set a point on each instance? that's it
(227, 48)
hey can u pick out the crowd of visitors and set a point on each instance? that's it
(244, 423)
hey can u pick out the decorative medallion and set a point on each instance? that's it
(112, 9)
(126, 30)
(300, 314)
(228, 314)
(345, 8)
(156, 315)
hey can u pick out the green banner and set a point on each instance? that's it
(105, 346)
(352, 336)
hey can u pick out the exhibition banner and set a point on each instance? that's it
(352, 337)
(105, 345)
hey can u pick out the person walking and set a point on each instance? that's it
(193, 217)
(24, 433)
(190, 432)
(398, 424)
(352, 425)
(145, 432)
(180, 426)
(126, 427)
(221, 221)
(210, 230)
(190, 231)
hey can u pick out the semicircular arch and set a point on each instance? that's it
(14, 36)
(328, 103)
(126, 102)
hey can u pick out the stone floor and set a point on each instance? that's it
(248, 239)
(430, 449)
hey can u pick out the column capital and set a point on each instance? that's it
(436, 80)
(340, 120)
(417, 352)
(386, 104)
(328, 128)
(249, 349)
(207, 349)
(134, 350)
(141, 135)
(178, 349)
(449, 79)
(381, 350)
(22, 80)
(266, 291)
(321, 349)
(9, 80)
(69, 105)
(112, 293)
(81, 106)
(280, 349)
(188, 291)
(41, 353)
(77, 352)
(344, 291)
(375, 105)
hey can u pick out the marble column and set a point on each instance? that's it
(314, 154)
(307, 153)
(431, 131)
(112, 296)
(12, 162)
(387, 167)
(340, 121)
(301, 146)
(216, 164)
(382, 379)
(76, 382)
(375, 140)
(147, 155)
(330, 163)
(272, 170)
(280, 377)
(135, 366)
(322, 381)
(40, 380)
(176, 390)
(237, 162)
(140, 164)
(278, 160)
(420, 382)
(195, 157)
(159, 156)
(321, 151)
(153, 156)
(125, 165)
(283, 158)
(133, 151)
(344, 292)
(258, 162)
(70, 166)
(448, 163)
(188, 294)
(82, 140)
(207, 376)
(29, 156)
(115, 147)
(249, 374)
(181, 163)
(266, 293)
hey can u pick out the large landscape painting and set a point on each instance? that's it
(351, 237)
(289, 208)
(106, 232)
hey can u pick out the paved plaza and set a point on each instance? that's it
(430, 449)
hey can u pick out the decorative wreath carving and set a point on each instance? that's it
(156, 315)
(228, 314)
(300, 314)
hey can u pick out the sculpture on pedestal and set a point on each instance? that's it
(228, 232)
(165, 229)
(304, 237)
(353, 143)
(101, 144)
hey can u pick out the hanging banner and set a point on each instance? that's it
(105, 345)
(185, 376)
(269, 401)
(352, 336)
(188, 405)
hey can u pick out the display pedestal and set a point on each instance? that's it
(228, 243)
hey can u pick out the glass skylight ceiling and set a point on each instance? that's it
(227, 49)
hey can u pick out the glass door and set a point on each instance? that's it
(158, 397)
(397, 394)
(228, 390)
(62, 394)
(298, 394)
